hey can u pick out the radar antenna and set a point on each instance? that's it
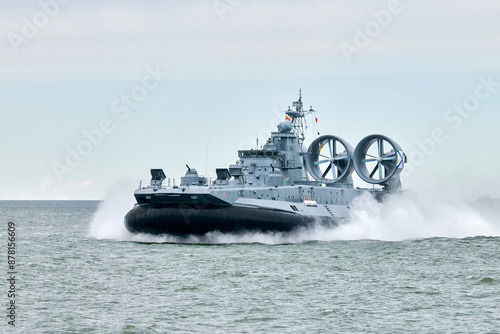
(297, 117)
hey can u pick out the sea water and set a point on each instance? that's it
(407, 265)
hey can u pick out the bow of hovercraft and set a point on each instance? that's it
(180, 212)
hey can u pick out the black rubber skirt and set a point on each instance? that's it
(186, 219)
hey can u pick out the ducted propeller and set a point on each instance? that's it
(377, 159)
(329, 159)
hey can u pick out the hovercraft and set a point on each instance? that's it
(279, 187)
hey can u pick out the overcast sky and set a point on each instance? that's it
(95, 93)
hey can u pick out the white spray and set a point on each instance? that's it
(108, 221)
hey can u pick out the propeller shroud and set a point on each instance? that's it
(378, 158)
(329, 156)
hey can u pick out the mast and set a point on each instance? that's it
(297, 118)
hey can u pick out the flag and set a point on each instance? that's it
(320, 146)
(316, 118)
(287, 118)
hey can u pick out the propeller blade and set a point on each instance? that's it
(327, 170)
(380, 147)
(392, 157)
(368, 160)
(374, 170)
(320, 162)
(341, 157)
(340, 170)
(380, 170)
(334, 153)
(371, 155)
(330, 147)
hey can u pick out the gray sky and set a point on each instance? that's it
(166, 82)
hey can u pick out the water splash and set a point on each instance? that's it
(399, 217)
(108, 221)
(414, 216)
